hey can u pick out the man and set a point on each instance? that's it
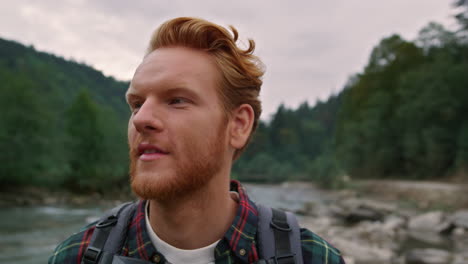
(194, 103)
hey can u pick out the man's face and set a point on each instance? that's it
(177, 132)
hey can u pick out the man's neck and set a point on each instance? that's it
(197, 220)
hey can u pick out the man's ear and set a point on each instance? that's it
(242, 120)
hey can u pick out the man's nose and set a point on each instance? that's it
(146, 118)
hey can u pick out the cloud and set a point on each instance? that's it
(309, 47)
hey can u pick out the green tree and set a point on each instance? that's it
(24, 123)
(462, 15)
(36, 134)
(87, 153)
(462, 146)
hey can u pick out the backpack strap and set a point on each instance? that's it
(279, 237)
(109, 235)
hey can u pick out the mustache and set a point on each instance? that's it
(139, 144)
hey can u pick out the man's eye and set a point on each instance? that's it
(177, 100)
(135, 106)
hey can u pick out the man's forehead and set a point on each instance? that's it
(181, 58)
(177, 65)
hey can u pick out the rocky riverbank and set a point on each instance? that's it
(395, 223)
(381, 222)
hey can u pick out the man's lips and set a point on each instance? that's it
(148, 152)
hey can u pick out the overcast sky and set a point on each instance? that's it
(310, 48)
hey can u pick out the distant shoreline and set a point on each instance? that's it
(36, 196)
(419, 194)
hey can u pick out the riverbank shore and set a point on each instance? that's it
(370, 222)
(420, 195)
(423, 195)
(395, 222)
(35, 196)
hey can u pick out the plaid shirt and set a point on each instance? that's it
(237, 246)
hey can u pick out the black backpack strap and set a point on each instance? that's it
(109, 235)
(279, 237)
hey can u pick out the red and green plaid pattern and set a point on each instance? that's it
(238, 245)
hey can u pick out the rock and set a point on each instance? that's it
(363, 252)
(432, 221)
(428, 256)
(460, 219)
(356, 210)
(337, 211)
(308, 208)
(365, 242)
(460, 243)
(456, 222)
(349, 260)
(458, 232)
(382, 207)
(395, 228)
(398, 260)
(393, 222)
(431, 238)
(428, 228)
(345, 194)
(422, 193)
(363, 214)
(460, 259)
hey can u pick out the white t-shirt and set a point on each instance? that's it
(173, 255)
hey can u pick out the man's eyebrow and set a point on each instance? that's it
(129, 90)
(166, 92)
(129, 94)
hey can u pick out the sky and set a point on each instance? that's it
(310, 48)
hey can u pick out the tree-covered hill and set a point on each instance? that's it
(61, 79)
(62, 123)
(404, 116)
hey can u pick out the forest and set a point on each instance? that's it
(404, 116)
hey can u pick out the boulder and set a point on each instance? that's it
(393, 222)
(431, 222)
(356, 210)
(456, 223)
(308, 209)
(363, 214)
(360, 252)
(460, 258)
(460, 219)
(382, 207)
(430, 238)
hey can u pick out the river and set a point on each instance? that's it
(28, 235)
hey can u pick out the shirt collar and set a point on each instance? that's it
(139, 244)
(241, 234)
(176, 255)
(239, 238)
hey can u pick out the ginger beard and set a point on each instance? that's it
(200, 162)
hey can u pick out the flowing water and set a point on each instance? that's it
(29, 234)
